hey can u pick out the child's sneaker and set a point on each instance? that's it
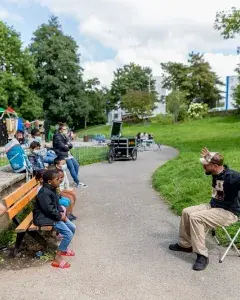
(81, 185)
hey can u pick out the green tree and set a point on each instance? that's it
(17, 74)
(176, 76)
(177, 105)
(131, 77)
(196, 80)
(59, 75)
(205, 84)
(228, 23)
(139, 104)
(96, 99)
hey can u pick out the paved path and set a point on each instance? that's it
(124, 230)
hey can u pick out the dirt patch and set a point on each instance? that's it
(31, 254)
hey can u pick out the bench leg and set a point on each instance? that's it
(18, 243)
(38, 238)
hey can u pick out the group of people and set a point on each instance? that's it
(55, 202)
(40, 155)
(144, 136)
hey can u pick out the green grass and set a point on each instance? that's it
(3, 161)
(182, 181)
(89, 155)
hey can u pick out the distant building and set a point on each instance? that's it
(231, 84)
(119, 114)
(162, 93)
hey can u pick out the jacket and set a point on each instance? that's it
(36, 161)
(46, 210)
(226, 190)
(61, 145)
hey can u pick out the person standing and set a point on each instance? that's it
(62, 147)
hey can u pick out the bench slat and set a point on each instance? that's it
(18, 206)
(20, 192)
(25, 223)
(36, 228)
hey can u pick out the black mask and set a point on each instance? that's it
(208, 173)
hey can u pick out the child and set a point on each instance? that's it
(47, 212)
(35, 158)
(67, 195)
(65, 190)
(39, 178)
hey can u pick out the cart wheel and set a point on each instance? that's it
(110, 157)
(134, 154)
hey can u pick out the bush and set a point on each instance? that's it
(176, 103)
(197, 111)
(162, 119)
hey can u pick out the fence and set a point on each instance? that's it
(84, 154)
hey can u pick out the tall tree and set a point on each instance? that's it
(131, 77)
(196, 79)
(17, 74)
(175, 76)
(205, 84)
(59, 75)
(96, 97)
(228, 23)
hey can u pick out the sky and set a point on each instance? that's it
(111, 33)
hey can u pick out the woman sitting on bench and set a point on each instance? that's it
(48, 212)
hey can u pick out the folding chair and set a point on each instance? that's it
(232, 240)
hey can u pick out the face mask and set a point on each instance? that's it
(36, 151)
(38, 139)
(208, 173)
(64, 167)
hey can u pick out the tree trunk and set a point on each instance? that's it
(85, 123)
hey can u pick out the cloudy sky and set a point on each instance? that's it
(111, 33)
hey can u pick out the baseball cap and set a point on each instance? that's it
(212, 158)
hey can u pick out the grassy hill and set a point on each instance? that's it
(181, 181)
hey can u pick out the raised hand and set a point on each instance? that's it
(204, 152)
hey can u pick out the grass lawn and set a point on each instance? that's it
(89, 155)
(182, 181)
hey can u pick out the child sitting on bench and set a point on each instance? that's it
(65, 190)
(48, 212)
(35, 158)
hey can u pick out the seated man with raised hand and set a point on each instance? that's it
(223, 209)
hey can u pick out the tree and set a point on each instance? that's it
(17, 74)
(131, 77)
(139, 104)
(205, 84)
(96, 99)
(177, 104)
(196, 79)
(176, 76)
(59, 75)
(228, 23)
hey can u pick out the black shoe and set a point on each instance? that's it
(71, 217)
(201, 263)
(176, 247)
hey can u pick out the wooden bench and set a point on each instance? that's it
(15, 203)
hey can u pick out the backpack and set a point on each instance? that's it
(17, 157)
